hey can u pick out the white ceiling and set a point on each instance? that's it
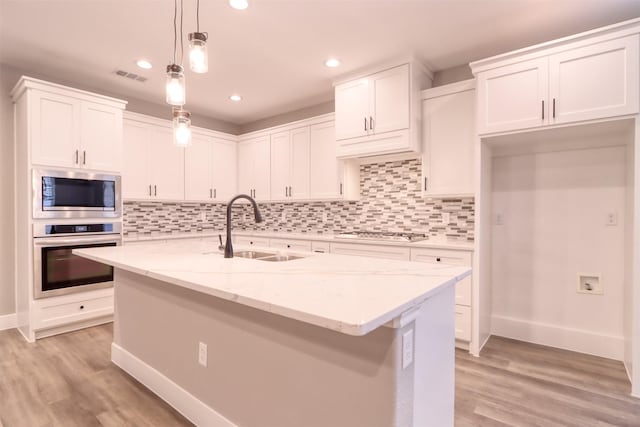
(273, 52)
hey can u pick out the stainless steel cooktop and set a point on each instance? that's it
(383, 235)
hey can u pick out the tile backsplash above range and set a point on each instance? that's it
(390, 200)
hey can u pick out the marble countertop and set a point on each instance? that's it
(439, 242)
(350, 294)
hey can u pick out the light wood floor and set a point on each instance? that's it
(68, 380)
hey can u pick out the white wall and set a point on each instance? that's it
(554, 207)
(7, 295)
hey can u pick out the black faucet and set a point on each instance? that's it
(228, 249)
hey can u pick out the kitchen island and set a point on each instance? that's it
(323, 340)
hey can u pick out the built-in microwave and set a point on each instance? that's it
(74, 194)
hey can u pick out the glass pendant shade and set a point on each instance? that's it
(175, 85)
(181, 128)
(198, 58)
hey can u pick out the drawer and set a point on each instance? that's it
(463, 291)
(441, 256)
(48, 314)
(294, 245)
(321, 247)
(463, 323)
(251, 241)
(374, 251)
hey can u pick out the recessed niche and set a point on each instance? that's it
(590, 284)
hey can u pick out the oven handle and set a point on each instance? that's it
(65, 241)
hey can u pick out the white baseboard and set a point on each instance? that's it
(611, 347)
(8, 321)
(180, 399)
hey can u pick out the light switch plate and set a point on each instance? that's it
(407, 349)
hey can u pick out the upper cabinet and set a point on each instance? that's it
(448, 119)
(69, 128)
(154, 165)
(380, 113)
(254, 167)
(593, 78)
(290, 164)
(210, 168)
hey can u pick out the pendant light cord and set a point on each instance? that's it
(175, 29)
(198, 16)
(181, 32)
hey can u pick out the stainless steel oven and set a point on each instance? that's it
(74, 194)
(57, 271)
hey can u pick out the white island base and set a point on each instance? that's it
(266, 370)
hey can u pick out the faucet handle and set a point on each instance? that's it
(221, 246)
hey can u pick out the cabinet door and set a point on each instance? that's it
(167, 165)
(101, 137)
(136, 178)
(224, 170)
(513, 97)
(262, 169)
(449, 135)
(595, 81)
(299, 164)
(55, 129)
(352, 108)
(324, 168)
(245, 171)
(280, 165)
(198, 159)
(389, 99)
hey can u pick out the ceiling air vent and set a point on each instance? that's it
(132, 76)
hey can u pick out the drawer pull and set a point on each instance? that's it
(82, 307)
(288, 246)
(438, 259)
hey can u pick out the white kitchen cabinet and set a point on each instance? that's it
(254, 167)
(463, 287)
(210, 173)
(71, 128)
(379, 113)
(251, 241)
(448, 119)
(291, 244)
(154, 165)
(320, 247)
(369, 250)
(568, 83)
(329, 177)
(290, 164)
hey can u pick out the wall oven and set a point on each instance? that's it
(57, 271)
(73, 194)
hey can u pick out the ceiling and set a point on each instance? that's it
(273, 52)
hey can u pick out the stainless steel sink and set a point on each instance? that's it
(266, 256)
(253, 254)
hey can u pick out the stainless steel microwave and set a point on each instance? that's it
(74, 194)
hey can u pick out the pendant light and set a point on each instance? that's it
(175, 88)
(181, 127)
(198, 58)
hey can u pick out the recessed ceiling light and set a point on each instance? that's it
(143, 63)
(235, 98)
(239, 4)
(332, 63)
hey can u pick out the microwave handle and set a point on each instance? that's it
(64, 241)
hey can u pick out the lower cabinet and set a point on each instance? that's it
(251, 241)
(374, 251)
(463, 287)
(294, 245)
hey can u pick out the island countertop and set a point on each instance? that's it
(350, 294)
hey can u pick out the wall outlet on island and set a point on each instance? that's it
(202, 354)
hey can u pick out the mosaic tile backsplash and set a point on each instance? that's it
(390, 200)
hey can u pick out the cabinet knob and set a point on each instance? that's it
(288, 246)
(82, 307)
(438, 259)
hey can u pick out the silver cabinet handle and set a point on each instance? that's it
(554, 108)
(286, 191)
(290, 192)
(215, 195)
(76, 157)
(84, 157)
(365, 124)
(425, 183)
(155, 190)
(543, 109)
(340, 188)
(149, 189)
(370, 123)
(210, 193)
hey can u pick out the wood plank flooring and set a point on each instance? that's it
(68, 380)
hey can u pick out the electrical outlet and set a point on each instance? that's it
(283, 216)
(203, 216)
(407, 349)
(446, 217)
(499, 219)
(612, 218)
(324, 217)
(202, 354)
